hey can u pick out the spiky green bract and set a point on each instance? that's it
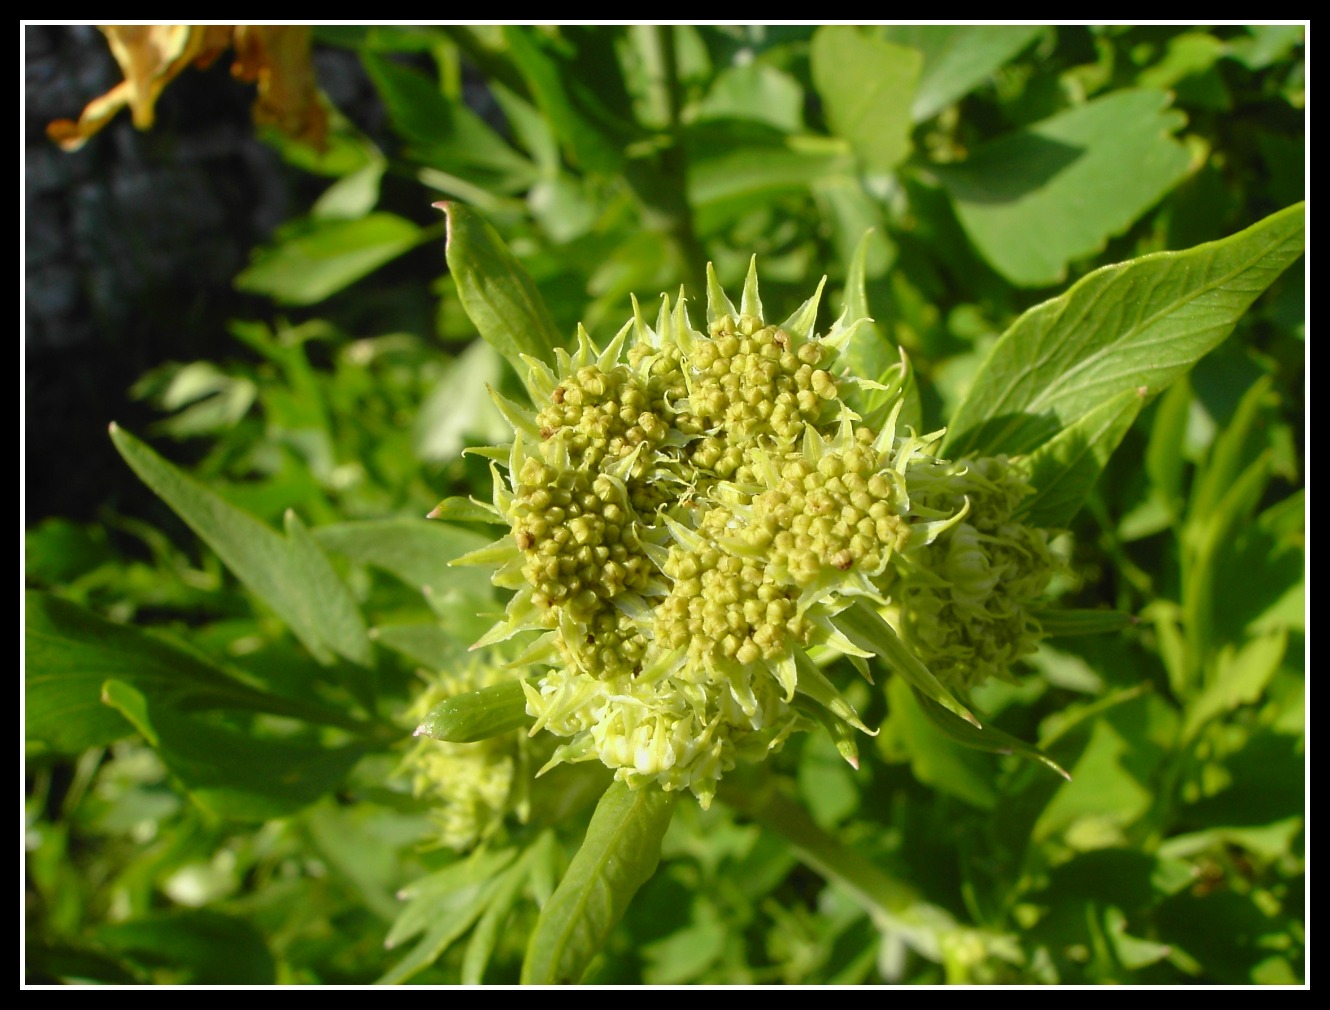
(691, 512)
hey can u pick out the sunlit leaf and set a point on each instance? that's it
(868, 86)
(618, 855)
(309, 263)
(1138, 324)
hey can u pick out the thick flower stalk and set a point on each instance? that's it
(700, 523)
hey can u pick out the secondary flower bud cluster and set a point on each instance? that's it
(690, 513)
(471, 786)
(967, 612)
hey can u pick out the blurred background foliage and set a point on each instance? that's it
(275, 316)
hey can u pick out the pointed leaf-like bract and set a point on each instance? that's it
(477, 715)
(496, 291)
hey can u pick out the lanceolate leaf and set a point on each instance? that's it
(618, 855)
(1058, 622)
(309, 263)
(289, 574)
(1134, 325)
(1065, 468)
(866, 628)
(496, 291)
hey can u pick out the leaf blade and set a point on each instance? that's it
(618, 855)
(1136, 324)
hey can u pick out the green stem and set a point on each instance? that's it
(661, 182)
(893, 905)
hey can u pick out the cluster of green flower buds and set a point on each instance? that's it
(695, 517)
(470, 787)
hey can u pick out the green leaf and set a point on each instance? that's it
(444, 906)
(1036, 199)
(1066, 467)
(496, 291)
(315, 259)
(446, 135)
(70, 652)
(867, 86)
(1164, 461)
(194, 947)
(1241, 677)
(417, 551)
(229, 770)
(1237, 444)
(724, 183)
(486, 934)
(935, 757)
(289, 574)
(869, 353)
(572, 96)
(618, 855)
(1068, 623)
(755, 91)
(425, 644)
(477, 715)
(353, 195)
(459, 411)
(958, 58)
(1138, 324)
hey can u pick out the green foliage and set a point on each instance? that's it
(216, 732)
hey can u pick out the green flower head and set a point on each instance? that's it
(700, 523)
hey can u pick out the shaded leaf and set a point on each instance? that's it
(228, 769)
(572, 96)
(1058, 622)
(935, 758)
(204, 946)
(1066, 467)
(70, 652)
(1034, 200)
(986, 738)
(958, 58)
